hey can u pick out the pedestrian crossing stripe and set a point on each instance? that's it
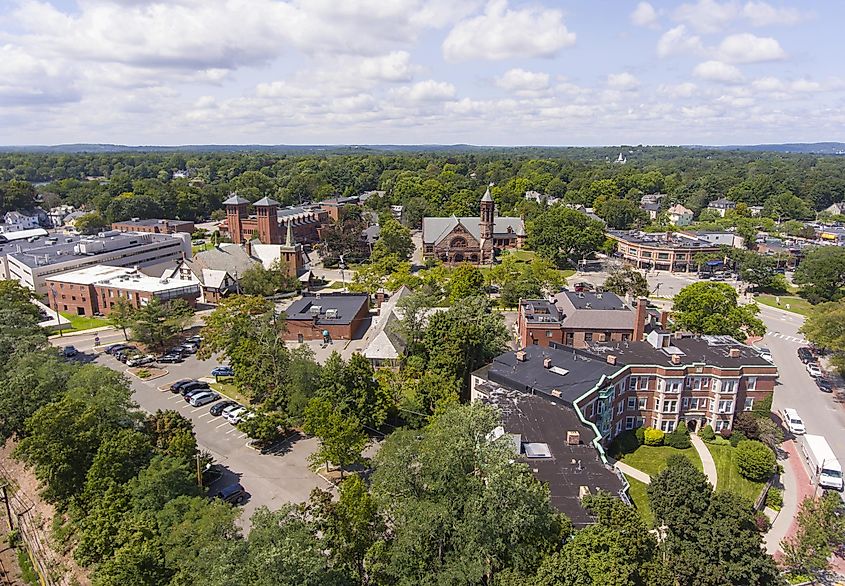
(788, 338)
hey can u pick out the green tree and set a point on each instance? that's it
(759, 270)
(341, 437)
(394, 239)
(787, 206)
(157, 323)
(172, 434)
(621, 214)
(465, 281)
(712, 309)
(257, 280)
(626, 281)
(679, 495)
(265, 426)
(122, 315)
(90, 223)
(163, 480)
(755, 460)
(19, 318)
(415, 309)
(821, 528)
(821, 274)
(118, 459)
(825, 328)
(562, 235)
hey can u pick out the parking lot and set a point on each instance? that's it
(270, 479)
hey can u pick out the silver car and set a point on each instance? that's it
(203, 398)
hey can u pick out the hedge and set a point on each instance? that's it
(755, 460)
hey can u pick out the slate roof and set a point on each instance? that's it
(436, 229)
(234, 200)
(487, 196)
(710, 350)
(230, 258)
(595, 311)
(265, 202)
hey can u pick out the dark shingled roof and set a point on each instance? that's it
(710, 350)
(539, 419)
(347, 305)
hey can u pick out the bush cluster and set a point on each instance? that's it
(707, 433)
(755, 460)
(679, 438)
(653, 437)
(774, 498)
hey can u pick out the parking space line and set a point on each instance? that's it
(205, 415)
(222, 424)
(232, 430)
(198, 409)
(175, 396)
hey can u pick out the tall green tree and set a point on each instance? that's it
(626, 281)
(157, 323)
(466, 280)
(825, 327)
(821, 528)
(712, 309)
(394, 240)
(122, 315)
(564, 235)
(341, 437)
(821, 274)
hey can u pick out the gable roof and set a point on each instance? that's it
(436, 229)
(680, 210)
(230, 258)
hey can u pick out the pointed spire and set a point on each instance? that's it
(487, 196)
(289, 235)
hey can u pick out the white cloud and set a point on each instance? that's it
(681, 90)
(28, 80)
(676, 41)
(748, 48)
(764, 14)
(718, 71)
(503, 33)
(644, 15)
(622, 81)
(767, 84)
(707, 15)
(395, 66)
(426, 91)
(522, 81)
(805, 85)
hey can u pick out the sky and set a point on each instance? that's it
(494, 72)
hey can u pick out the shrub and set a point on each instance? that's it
(707, 433)
(677, 440)
(755, 460)
(774, 498)
(653, 437)
(747, 423)
(682, 428)
(761, 521)
(624, 443)
(640, 434)
(725, 433)
(737, 437)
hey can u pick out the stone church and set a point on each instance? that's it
(454, 240)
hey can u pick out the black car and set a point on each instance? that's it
(193, 386)
(806, 355)
(116, 348)
(234, 493)
(217, 408)
(171, 358)
(176, 387)
(824, 385)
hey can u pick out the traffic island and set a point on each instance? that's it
(147, 372)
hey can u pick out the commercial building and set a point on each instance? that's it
(613, 387)
(95, 290)
(669, 251)
(32, 261)
(579, 319)
(788, 254)
(333, 316)
(153, 226)
(455, 240)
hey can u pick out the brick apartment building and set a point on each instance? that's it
(343, 316)
(94, 290)
(153, 226)
(579, 319)
(671, 251)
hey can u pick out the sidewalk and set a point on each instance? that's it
(633, 472)
(706, 459)
(796, 487)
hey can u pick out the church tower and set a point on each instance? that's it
(290, 253)
(488, 213)
(236, 213)
(268, 221)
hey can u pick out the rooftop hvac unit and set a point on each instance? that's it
(315, 310)
(331, 314)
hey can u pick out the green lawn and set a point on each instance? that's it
(227, 389)
(652, 460)
(81, 322)
(201, 247)
(796, 304)
(336, 285)
(728, 475)
(638, 494)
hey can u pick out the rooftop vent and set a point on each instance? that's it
(521, 356)
(537, 450)
(676, 359)
(611, 359)
(547, 362)
(733, 352)
(573, 438)
(331, 313)
(315, 310)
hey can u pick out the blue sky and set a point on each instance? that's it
(501, 72)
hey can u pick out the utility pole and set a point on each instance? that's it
(8, 507)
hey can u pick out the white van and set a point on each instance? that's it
(791, 420)
(824, 467)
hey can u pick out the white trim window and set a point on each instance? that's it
(632, 403)
(686, 402)
(621, 408)
(726, 406)
(642, 402)
(670, 406)
(618, 428)
(639, 422)
(629, 422)
(749, 404)
(668, 426)
(751, 383)
(720, 425)
(729, 386)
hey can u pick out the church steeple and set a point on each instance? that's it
(488, 213)
(289, 241)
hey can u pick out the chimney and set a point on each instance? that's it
(547, 362)
(676, 359)
(733, 352)
(520, 356)
(248, 246)
(640, 319)
(573, 438)
(611, 359)
(664, 319)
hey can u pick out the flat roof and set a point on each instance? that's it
(709, 350)
(347, 305)
(41, 253)
(564, 468)
(660, 240)
(120, 278)
(153, 222)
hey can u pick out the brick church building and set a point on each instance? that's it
(454, 240)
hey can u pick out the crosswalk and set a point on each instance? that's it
(794, 339)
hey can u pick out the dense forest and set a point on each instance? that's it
(120, 185)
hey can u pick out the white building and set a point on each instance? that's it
(17, 221)
(30, 262)
(679, 215)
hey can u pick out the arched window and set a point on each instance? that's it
(458, 242)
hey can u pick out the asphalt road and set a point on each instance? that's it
(271, 479)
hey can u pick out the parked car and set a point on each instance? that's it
(580, 287)
(193, 386)
(234, 494)
(824, 385)
(805, 354)
(814, 370)
(234, 415)
(792, 421)
(203, 398)
(171, 358)
(116, 348)
(126, 354)
(140, 360)
(69, 351)
(175, 387)
(211, 475)
(223, 371)
(196, 340)
(766, 354)
(176, 350)
(218, 408)
(188, 349)
(193, 393)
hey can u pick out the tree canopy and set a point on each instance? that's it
(712, 309)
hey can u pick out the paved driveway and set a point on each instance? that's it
(271, 479)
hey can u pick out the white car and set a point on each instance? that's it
(140, 360)
(814, 370)
(235, 415)
(792, 421)
(766, 355)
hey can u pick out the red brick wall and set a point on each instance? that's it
(338, 332)
(71, 297)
